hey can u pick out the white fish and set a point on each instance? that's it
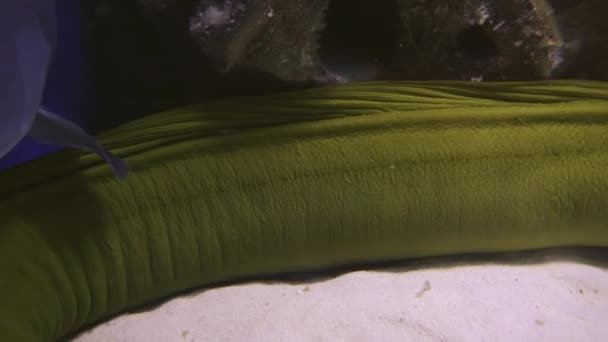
(27, 40)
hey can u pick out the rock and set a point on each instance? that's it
(279, 37)
(478, 39)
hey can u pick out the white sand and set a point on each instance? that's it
(559, 300)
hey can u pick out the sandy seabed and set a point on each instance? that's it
(538, 297)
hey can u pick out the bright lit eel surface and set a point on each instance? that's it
(257, 186)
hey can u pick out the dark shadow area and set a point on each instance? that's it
(144, 62)
(594, 256)
(584, 30)
(360, 38)
(475, 44)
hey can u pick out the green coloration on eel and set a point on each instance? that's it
(300, 181)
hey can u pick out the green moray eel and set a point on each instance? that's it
(258, 186)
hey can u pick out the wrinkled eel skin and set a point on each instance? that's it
(300, 181)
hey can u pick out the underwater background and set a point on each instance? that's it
(336, 176)
(118, 60)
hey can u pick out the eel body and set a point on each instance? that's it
(300, 181)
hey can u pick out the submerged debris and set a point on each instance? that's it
(425, 288)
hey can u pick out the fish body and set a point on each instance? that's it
(27, 42)
(27, 35)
